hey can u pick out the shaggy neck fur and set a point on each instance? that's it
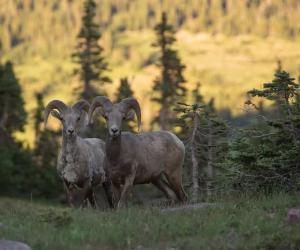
(113, 148)
(70, 149)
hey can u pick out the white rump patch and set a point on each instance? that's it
(177, 141)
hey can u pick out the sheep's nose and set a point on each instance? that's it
(70, 131)
(114, 130)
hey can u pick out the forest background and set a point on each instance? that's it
(226, 48)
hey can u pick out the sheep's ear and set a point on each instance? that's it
(130, 115)
(56, 114)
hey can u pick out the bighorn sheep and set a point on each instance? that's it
(139, 158)
(80, 161)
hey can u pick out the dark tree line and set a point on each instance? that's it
(261, 156)
(22, 171)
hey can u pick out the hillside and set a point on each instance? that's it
(225, 46)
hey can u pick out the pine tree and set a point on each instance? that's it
(265, 157)
(196, 95)
(282, 91)
(206, 142)
(124, 90)
(12, 112)
(190, 114)
(215, 134)
(169, 86)
(89, 54)
(18, 173)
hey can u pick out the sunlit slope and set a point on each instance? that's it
(225, 67)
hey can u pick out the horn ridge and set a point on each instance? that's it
(99, 101)
(132, 103)
(55, 104)
(82, 105)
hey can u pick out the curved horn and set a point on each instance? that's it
(55, 104)
(132, 103)
(82, 104)
(102, 101)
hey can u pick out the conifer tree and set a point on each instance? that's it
(265, 157)
(18, 173)
(12, 112)
(169, 86)
(125, 91)
(205, 143)
(196, 94)
(89, 54)
(215, 134)
(192, 113)
(283, 91)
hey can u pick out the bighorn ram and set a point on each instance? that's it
(80, 161)
(139, 158)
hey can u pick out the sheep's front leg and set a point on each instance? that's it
(109, 192)
(127, 185)
(116, 194)
(91, 198)
(67, 192)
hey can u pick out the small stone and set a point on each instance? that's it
(13, 245)
(293, 215)
(139, 247)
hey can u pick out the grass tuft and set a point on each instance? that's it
(244, 223)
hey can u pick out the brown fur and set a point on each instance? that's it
(131, 159)
(80, 161)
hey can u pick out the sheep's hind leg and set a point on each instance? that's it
(164, 187)
(116, 194)
(176, 185)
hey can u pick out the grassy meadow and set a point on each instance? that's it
(226, 67)
(242, 223)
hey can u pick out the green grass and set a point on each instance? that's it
(256, 223)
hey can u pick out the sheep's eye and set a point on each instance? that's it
(78, 119)
(105, 117)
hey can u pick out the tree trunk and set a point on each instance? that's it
(163, 117)
(290, 118)
(195, 165)
(210, 169)
(4, 118)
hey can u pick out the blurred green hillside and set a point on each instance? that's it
(228, 46)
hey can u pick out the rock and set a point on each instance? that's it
(293, 215)
(13, 245)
